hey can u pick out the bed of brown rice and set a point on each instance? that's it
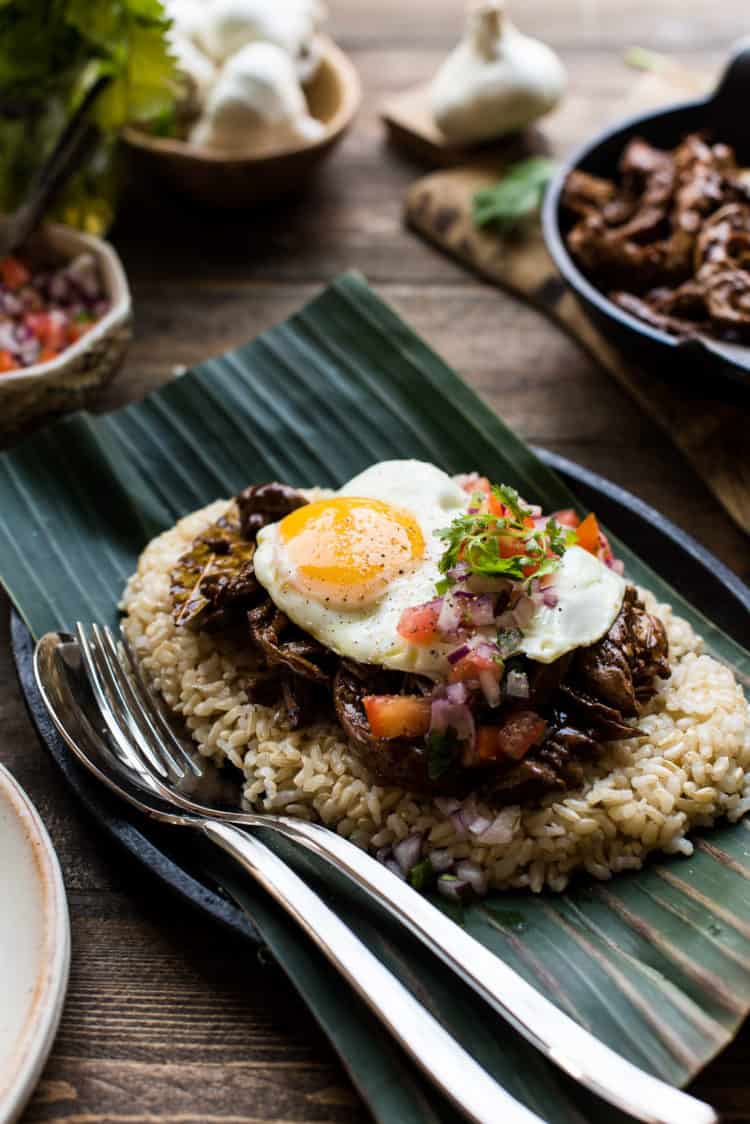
(690, 767)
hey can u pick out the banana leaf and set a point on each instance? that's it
(656, 963)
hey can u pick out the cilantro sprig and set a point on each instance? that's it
(510, 545)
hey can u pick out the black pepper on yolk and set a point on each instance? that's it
(347, 551)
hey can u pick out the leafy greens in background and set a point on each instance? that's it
(51, 51)
(516, 197)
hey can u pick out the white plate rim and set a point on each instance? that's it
(41, 1025)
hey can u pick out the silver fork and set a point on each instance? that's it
(140, 728)
(126, 768)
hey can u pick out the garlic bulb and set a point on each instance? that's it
(256, 104)
(225, 26)
(496, 81)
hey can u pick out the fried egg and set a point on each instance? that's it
(589, 597)
(344, 568)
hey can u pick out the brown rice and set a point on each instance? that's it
(690, 767)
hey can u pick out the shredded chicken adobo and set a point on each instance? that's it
(582, 700)
(669, 241)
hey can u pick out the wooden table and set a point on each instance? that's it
(166, 1021)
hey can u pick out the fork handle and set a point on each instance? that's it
(443, 1060)
(565, 1042)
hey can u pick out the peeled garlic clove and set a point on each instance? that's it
(225, 26)
(496, 81)
(197, 68)
(257, 105)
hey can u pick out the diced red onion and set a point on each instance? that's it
(452, 888)
(383, 853)
(394, 868)
(523, 612)
(485, 583)
(454, 657)
(458, 572)
(456, 693)
(476, 608)
(459, 825)
(534, 510)
(479, 825)
(441, 860)
(517, 685)
(446, 805)
(407, 852)
(550, 598)
(488, 681)
(83, 273)
(500, 832)
(487, 650)
(445, 715)
(449, 618)
(507, 620)
(467, 871)
(617, 565)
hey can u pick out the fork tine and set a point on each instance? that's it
(148, 708)
(145, 744)
(109, 707)
(139, 753)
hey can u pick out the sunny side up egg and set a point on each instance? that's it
(345, 568)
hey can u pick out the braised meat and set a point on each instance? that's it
(669, 241)
(261, 504)
(578, 703)
(215, 578)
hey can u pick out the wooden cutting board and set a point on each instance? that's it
(712, 430)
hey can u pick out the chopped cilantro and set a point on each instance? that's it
(510, 545)
(442, 746)
(422, 875)
(508, 641)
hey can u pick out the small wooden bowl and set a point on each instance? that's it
(237, 180)
(67, 382)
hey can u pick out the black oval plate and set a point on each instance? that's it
(176, 860)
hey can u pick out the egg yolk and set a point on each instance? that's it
(345, 551)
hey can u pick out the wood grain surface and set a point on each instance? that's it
(166, 1021)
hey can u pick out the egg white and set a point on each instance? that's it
(590, 596)
(369, 634)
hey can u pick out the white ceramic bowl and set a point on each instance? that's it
(65, 382)
(34, 947)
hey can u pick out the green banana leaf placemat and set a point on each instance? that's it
(656, 963)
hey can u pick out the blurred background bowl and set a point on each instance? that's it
(222, 180)
(67, 382)
(723, 117)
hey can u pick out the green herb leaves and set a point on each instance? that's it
(516, 197)
(507, 545)
(50, 55)
(442, 747)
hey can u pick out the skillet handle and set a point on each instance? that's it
(732, 94)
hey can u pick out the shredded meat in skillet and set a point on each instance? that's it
(587, 698)
(669, 241)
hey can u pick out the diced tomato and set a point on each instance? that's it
(7, 362)
(514, 738)
(14, 273)
(478, 484)
(568, 517)
(418, 624)
(397, 716)
(471, 665)
(77, 329)
(50, 329)
(46, 354)
(588, 534)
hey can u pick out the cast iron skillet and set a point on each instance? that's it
(172, 856)
(724, 116)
